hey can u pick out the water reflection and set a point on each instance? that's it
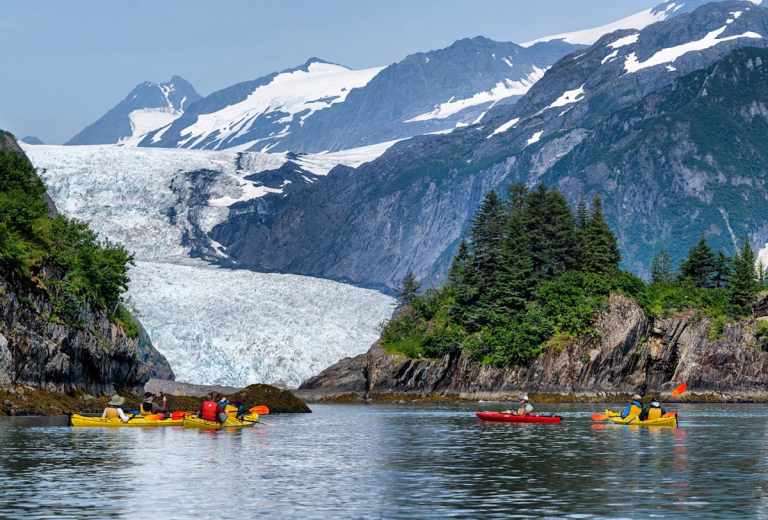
(394, 462)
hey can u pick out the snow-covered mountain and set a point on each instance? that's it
(322, 106)
(637, 21)
(147, 107)
(214, 325)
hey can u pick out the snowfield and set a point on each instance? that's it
(214, 325)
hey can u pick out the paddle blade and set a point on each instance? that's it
(599, 417)
(680, 389)
(261, 410)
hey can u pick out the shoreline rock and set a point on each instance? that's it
(631, 353)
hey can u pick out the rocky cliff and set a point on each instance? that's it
(631, 352)
(96, 356)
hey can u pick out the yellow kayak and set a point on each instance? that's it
(669, 420)
(193, 421)
(135, 421)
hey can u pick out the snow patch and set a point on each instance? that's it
(569, 97)
(623, 42)
(610, 57)
(637, 21)
(671, 54)
(501, 90)
(506, 126)
(146, 120)
(299, 92)
(535, 138)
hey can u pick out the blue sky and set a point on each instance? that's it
(66, 63)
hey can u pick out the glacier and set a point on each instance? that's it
(214, 325)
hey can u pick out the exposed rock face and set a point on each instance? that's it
(97, 358)
(631, 353)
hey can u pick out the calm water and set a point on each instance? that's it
(394, 462)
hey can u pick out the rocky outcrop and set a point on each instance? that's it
(630, 353)
(96, 357)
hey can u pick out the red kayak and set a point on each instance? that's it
(508, 417)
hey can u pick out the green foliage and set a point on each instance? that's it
(700, 266)
(661, 268)
(744, 284)
(408, 289)
(600, 251)
(65, 256)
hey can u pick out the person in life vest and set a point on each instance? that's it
(114, 409)
(652, 411)
(222, 409)
(145, 408)
(209, 410)
(525, 408)
(634, 408)
(160, 405)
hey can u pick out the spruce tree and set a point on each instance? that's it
(744, 285)
(700, 265)
(552, 234)
(600, 251)
(661, 269)
(408, 289)
(516, 275)
(723, 271)
(582, 215)
(458, 271)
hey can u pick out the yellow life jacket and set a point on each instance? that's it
(112, 413)
(654, 413)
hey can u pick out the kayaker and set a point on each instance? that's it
(160, 405)
(634, 408)
(652, 411)
(147, 405)
(114, 409)
(209, 410)
(222, 409)
(525, 408)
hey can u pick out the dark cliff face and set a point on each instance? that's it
(96, 357)
(647, 141)
(630, 354)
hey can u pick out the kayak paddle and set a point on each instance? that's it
(680, 389)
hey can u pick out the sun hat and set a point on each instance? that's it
(523, 397)
(116, 400)
(637, 397)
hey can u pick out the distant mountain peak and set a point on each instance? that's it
(147, 107)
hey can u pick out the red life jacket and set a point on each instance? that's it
(208, 411)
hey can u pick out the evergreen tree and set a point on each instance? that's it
(408, 289)
(699, 267)
(552, 234)
(600, 251)
(457, 273)
(582, 215)
(761, 275)
(661, 269)
(723, 271)
(516, 275)
(744, 285)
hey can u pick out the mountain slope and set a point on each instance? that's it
(408, 209)
(321, 106)
(147, 107)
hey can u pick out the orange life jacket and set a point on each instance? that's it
(209, 411)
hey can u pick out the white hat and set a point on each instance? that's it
(116, 400)
(523, 397)
(637, 397)
(656, 404)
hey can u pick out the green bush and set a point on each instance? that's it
(66, 257)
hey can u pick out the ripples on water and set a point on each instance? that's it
(394, 462)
